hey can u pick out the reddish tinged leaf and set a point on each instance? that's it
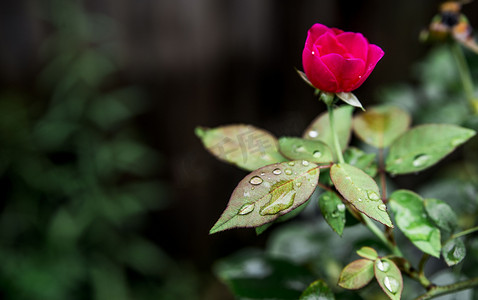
(361, 191)
(268, 193)
(356, 275)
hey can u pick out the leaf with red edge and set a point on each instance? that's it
(268, 193)
(361, 191)
(356, 275)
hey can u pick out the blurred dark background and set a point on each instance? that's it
(106, 191)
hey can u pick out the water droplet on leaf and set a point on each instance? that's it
(299, 148)
(298, 184)
(291, 163)
(382, 207)
(359, 199)
(313, 134)
(383, 265)
(277, 171)
(334, 214)
(255, 180)
(246, 208)
(341, 207)
(288, 171)
(305, 163)
(420, 160)
(373, 196)
(391, 284)
(317, 154)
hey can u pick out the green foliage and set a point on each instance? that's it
(348, 190)
(389, 278)
(333, 210)
(381, 125)
(361, 191)
(413, 221)
(78, 181)
(254, 275)
(357, 274)
(246, 146)
(421, 147)
(310, 150)
(317, 290)
(267, 193)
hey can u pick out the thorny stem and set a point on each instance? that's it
(448, 289)
(465, 76)
(335, 138)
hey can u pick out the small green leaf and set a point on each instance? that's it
(414, 223)
(356, 275)
(423, 146)
(389, 278)
(368, 253)
(364, 161)
(245, 146)
(361, 191)
(381, 125)
(317, 290)
(350, 99)
(442, 214)
(297, 148)
(454, 251)
(319, 129)
(268, 193)
(333, 210)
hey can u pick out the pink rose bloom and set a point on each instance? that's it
(336, 61)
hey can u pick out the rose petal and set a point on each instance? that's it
(347, 71)
(318, 73)
(329, 44)
(355, 43)
(314, 33)
(375, 53)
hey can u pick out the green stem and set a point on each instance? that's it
(335, 138)
(465, 76)
(464, 232)
(375, 230)
(448, 289)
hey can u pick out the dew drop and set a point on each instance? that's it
(305, 163)
(277, 171)
(288, 172)
(313, 134)
(262, 173)
(246, 208)
(383, 265)
(299, 148)
(359, 199)
(341, 207)
(373, 196)
(298, 184)
(420, 160)
(317, 154)
(291, 163)
(255, 180)
(391, 284)
(334, 214)
(382, 207)
(313, 52)
(348, 178)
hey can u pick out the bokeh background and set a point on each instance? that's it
(106, 193)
